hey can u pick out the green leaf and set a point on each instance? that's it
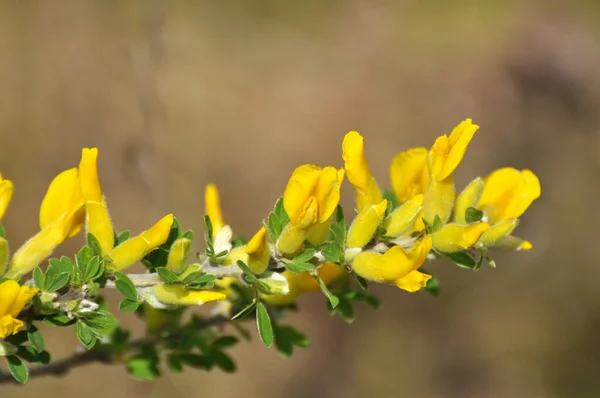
(195, 361)
(128, 306)
(333, 300)
(391, 198)
(345, 310)
(168, 276)
(36, 339)
(54, 282)
(122, 237)
(17, 369)
(208, 230)
(472, 215)
(29, 354)
(277, 220)
(437, 224)
(101, 323)
(60, 319)
(244, 312)
(298, 268)
(304, 256)
(2, 231)
(85, 335)
(332, 252)
(94, 245)
(223, 361)
(145, 365)
(286, 337)
(83, 257)
(126, 287)
(337, 231)
(362, 282)
(92, 269)
(263, 322)
(250, 277)
(224, 342)
(462, 259)
(38, 277)
(433, 286)
(363, 296)
(189, 234)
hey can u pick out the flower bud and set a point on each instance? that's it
(403, 218)
(469, 197)
(178, 254)
(452, 238)
(365, 224)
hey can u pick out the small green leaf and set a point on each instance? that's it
(244, 312)
(38, 278)
(36, 339)
(60, 319)
(55, 282)
(122, 237)
(250, 277)
(223, 361)
(332, 252)
(85, 335)
(29, 354)
(168, 276)
(92, 269)
(462, 259)
(189, 234)
(304, 256)
(433, 286)
(345, 310)
(128, 306)
(2, 231)
(101, 323)
(277, 220)
(126, 287)
(286, 337)
(17, 369)
(195, 361)
(263, 322)
(94, 244)
(337, 231)
(224, 342)
(362, 282)
(437, 224)
(298, 268)
(391, 198)
(145, 365)
(472, 215)
(333, 300)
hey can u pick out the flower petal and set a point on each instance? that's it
(447, 152)
(452, 238)
(212, 208)
(408, 173)
(413, 282)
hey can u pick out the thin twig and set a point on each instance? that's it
(63, 366)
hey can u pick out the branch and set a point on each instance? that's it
(63, 366)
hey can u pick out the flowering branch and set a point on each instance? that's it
(305, 245)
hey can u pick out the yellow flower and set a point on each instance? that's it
(365, 224)
(439, 199)
(404, 219)
(13, 298)
(357, 169)
(507, 193)
(310, 199)
(452, 238)
(409, 174)
(133, 250)
(98, 220)
(469, 197)
(178, 254)
(178, 295)
(256, 253)
(61, 216)
(513, 243)
(304, 283)
(6, 191)
(212, 206)
(396, 266)
(447, 152)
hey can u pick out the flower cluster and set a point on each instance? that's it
(304, 245)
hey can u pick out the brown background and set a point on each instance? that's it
(177, 94)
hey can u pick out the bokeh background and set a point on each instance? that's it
(177, 94)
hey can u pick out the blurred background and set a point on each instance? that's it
(178, 94)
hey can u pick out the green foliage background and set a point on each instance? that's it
(240, 93)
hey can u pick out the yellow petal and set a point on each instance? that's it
(365, 224)
(408, 173)
(300, 189)
(88, 175)
(327, 192)
(9, 326)
(469, 197)
(403, 218)
(513, 243)
(212, 208)
(259, 252)
(291, 239)
(178, 254)
(4, 255)
(413, 282)
(133, 250)
(498, 232)
(508, 192)
(396, 263)
(100, 225)
(64, 200)
(13, 297)
(452, 238)
(357, 169)
(35, 250)
(6, 191)
(178, 295)
(447, 152)
(439, 199)
(318, 233)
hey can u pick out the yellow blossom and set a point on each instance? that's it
(178, 254)
(408, 173)
(61, 216)
(507, 193)
(365, 224)
(513, 243)
(13, 298)
(310, 199)
(448, 151)
(397, 265)
(404, 219)
(178, 295)
(212, 206)
(357, 170)
(452, 238)
(133, 250)
(498, 231)
(304, 283)
(439, 199)
(469, 197)
(6, 191)
(98, 221)
(256, 253)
